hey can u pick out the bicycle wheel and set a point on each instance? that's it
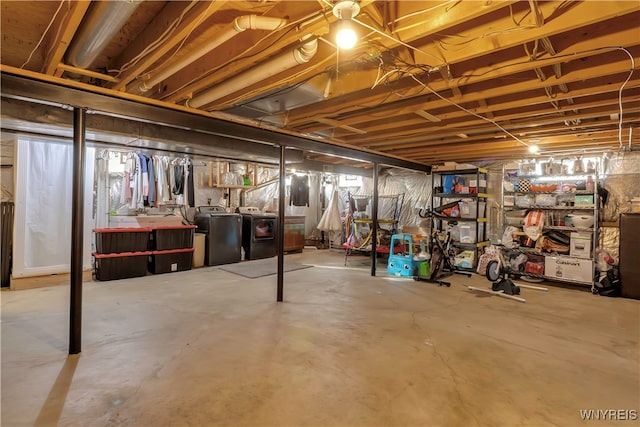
(493, 270)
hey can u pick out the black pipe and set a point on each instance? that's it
(374, 218)
(281, 207)
(77, 228)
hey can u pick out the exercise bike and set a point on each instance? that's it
(442, 254)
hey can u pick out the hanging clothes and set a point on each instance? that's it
(190, 185)
(128, 182)
(136, 184)
(160, 164)
(145, 177)
(185, 193)
(178, 177)
(151, 199)
(299, 190)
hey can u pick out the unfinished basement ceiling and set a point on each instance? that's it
(428, 81)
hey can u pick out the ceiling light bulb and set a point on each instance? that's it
(346, 37)
(533, 149)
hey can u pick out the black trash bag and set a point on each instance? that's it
(609, 286)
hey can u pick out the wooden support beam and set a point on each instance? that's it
(60, 44)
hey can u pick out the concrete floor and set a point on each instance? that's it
(207, 347)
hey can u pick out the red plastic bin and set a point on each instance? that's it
(163, 238)
(120, 265)
(121, 240)
(171, 260)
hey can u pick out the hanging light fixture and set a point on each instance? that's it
(344, 10)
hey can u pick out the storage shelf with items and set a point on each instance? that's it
(359, 224)
(555, 218)
(227, 178)
(459, 196)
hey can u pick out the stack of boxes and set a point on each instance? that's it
(123, 253)
(172, 248)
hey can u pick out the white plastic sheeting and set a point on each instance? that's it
(42, 232)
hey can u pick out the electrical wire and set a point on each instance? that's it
(43, 34)
(55, 37)
(156, 43)
(196, 23)
(420, 12)
(493, 122)
(397, 40)
(541, 62)
(633, 66)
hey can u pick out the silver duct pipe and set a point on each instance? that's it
(282, 62)
(100, 25)
(240, 24)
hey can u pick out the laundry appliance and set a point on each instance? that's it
(259, 233)
(224, 234)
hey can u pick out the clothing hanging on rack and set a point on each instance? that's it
(151, 199)
(178, 177)
(137, 200)
(161, 163)
(299, 190)
(190, 185)
(128, 182)
(145, 177)
(154, 180)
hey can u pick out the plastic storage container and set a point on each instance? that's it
(171, 237)
(171, 260)
(120, 265)
(469, 209)
(468, 233)
(119, 240)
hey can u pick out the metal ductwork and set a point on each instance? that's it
(282, 62)
(240, 24)
(99, 27)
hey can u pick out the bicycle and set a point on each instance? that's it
(442, 252)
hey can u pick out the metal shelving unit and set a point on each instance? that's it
(474, 195)
(559, 258)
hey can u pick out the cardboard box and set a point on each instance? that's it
(577, 269)
(580, 245)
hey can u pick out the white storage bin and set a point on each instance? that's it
(467, 234)
(525, 201)
(546, 200)
(580, 245)
(471, 209)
